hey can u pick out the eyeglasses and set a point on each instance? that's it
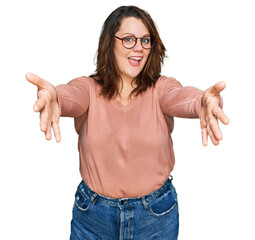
(130, 41)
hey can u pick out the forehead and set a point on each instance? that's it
(134, 26)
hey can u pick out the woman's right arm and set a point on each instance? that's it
(70, 100)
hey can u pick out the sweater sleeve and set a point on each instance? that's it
(178, 101)
(73, 97)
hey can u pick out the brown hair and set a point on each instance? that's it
(107, 72)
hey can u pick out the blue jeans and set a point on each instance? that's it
(154, 216)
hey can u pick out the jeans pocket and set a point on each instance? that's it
(82, 200)
(163, 205)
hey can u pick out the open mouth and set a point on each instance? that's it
(134, 61)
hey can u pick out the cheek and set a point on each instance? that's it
(121, 62)
(120, 55)
(148, 54)
(146, 58)
(121, 59)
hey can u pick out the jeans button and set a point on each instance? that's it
(122, 202)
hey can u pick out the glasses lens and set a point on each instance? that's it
(147, 42)
(129, 42)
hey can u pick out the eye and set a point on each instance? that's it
(128, 39)
(146, 40)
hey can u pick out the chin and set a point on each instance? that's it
(133, 75)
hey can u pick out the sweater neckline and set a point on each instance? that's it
(117, 104)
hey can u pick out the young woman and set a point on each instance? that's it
(124, 117)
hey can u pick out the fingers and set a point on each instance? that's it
(214, 130)
(218, 113)
(43, 106)
(49, 115)
(204, 137)
(216, 134)
(210, 127)
(39, 105)
(46, 125)
(211, 112)
(44, 120)
(56, 131)
(207, 131)
(48, 132)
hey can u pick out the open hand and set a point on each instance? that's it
(211, 112)
(47, 105)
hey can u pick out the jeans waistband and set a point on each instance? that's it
(125, 202)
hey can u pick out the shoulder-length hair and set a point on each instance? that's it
(107, 73)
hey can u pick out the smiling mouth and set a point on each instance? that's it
(136, 58)
(135, 61)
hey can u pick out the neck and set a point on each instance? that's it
(126, 87)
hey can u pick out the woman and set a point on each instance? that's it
(124, 117)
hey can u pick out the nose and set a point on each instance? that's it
(138, 46)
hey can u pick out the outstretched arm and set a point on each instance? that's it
(67, 100)
(190, 102)
(178, 101)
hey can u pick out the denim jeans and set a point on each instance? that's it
(154, 216)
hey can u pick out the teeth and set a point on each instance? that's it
(136, 58)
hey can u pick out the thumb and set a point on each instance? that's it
(36, 80)
(218, 87)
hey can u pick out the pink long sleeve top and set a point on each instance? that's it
(126, 151)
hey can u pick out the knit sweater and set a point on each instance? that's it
(126, 151)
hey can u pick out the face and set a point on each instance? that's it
(131, 61)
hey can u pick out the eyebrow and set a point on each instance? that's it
(131, 34)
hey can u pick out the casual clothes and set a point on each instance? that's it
(126, 151)
(154, 216)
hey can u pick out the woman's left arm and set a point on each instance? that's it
(211, 111)
(190, 102)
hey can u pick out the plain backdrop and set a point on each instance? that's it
(206, 42)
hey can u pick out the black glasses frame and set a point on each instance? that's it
(153, 42)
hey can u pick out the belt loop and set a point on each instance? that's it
(93, 198)
(145, 204)
(171, 178)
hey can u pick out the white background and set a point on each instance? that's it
(207, 42)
